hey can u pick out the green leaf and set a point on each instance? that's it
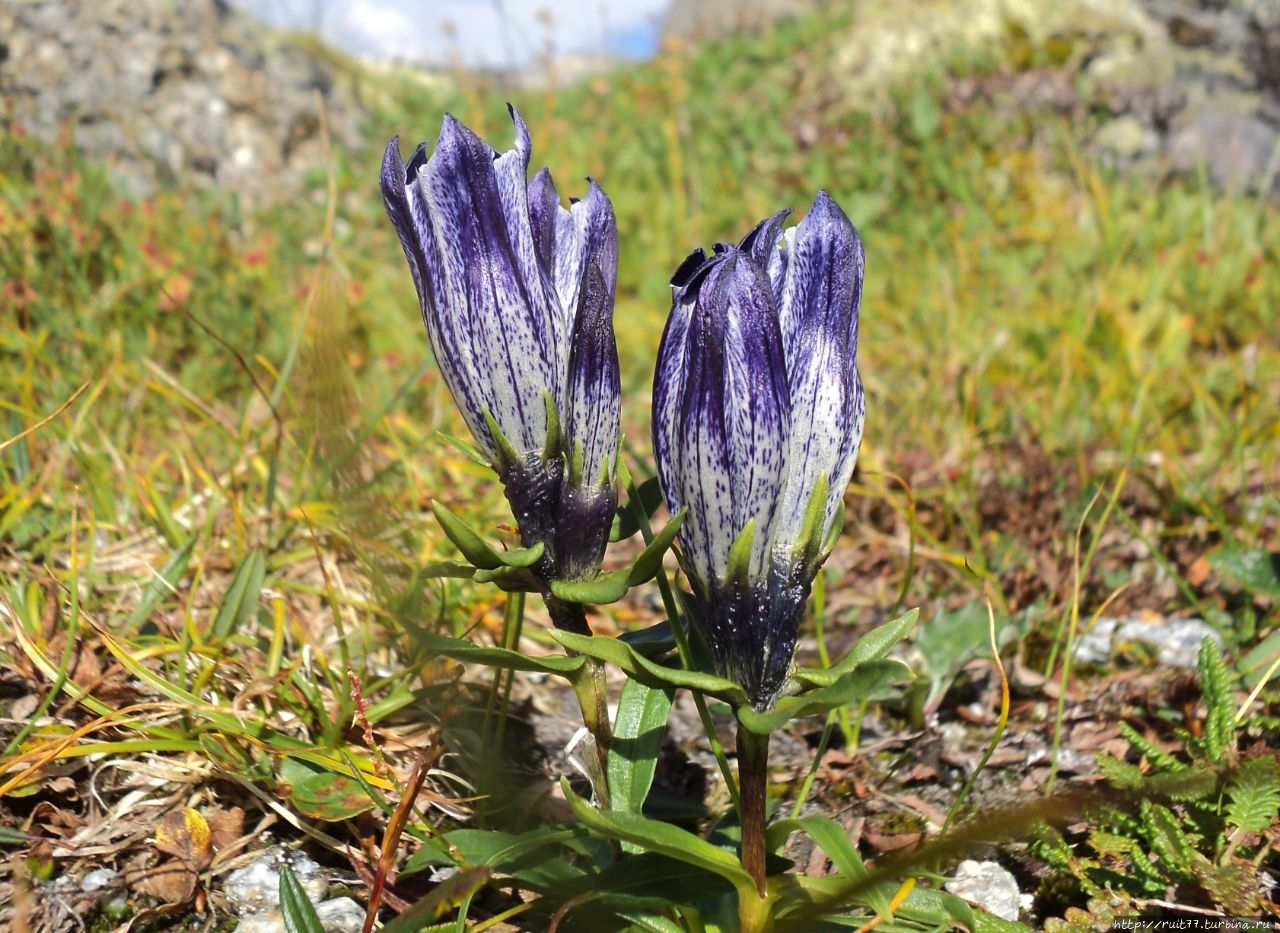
(320, 793)
(648, 881)
(605, 588)
(652, 674)
(296, 908)
(954, 637)
(241, 599)
(1187, 785)
(940, 910)
(878, 642)
(1258, 660)
(1121, 774)
(872, 646)
(649, 562)
(444, 898)
(531, 858)
(811, 526)
(510, 579)
(648, 497)
(1215, 685)
(739, 562)
(1156, 756)
(507, 457)
(1232, 885)
(448, 569)
(13, 837)
(828, 835)
(467, 449)
(161, 585)
(653, 641)
(1168, 840)
(503, 658)
(858, 684)
(1256, 569)
(474, 548)
(521, 557)
(1253, 796)
(552, 448)
(638, 728)
(659, 837)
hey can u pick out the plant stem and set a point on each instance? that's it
(569, 617)
(512, 625)
(593, 699)
(755, 912)
(670, 605)
(753, 782)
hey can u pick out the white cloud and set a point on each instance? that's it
(490, 33)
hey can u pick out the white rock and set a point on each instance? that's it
(97, 879)
(989, 886)
(1177, 641)
(254, 891)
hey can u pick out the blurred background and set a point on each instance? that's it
(1068, 211)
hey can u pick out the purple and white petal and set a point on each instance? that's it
(403, 200)
(505, 320)
(765, 243)
(544, 206)
(720, 410)
(668, 391)
(699, 454)
(819, 315)
(595, 388)
(756, 400)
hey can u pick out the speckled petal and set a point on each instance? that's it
(402, 197)
(486, 247)
(720, 409)
(819, 314)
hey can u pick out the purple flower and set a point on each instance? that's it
(517, 296)
(757, 418)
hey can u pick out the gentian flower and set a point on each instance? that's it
(757, 418)
(517, 296)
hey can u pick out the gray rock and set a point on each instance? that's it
(1177, 641)
(990, 887)
(256, 887)
(1237, 149)
(97, 879)
(253, 892)
(1179, 83)
(192, 92)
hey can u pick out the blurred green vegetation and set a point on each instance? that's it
(1017, 296)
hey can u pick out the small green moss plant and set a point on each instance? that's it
(1193, 827)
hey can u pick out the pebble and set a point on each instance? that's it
(990, 886)
(97, 879)
(254, 893)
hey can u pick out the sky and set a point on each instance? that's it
(485, 33)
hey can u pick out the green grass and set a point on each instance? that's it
(258, 413)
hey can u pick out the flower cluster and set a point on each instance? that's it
(757, 407)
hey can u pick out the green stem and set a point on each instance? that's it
(512, 625)
(753, 780)
(755, 912)
(672, 610)
(593, 699)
